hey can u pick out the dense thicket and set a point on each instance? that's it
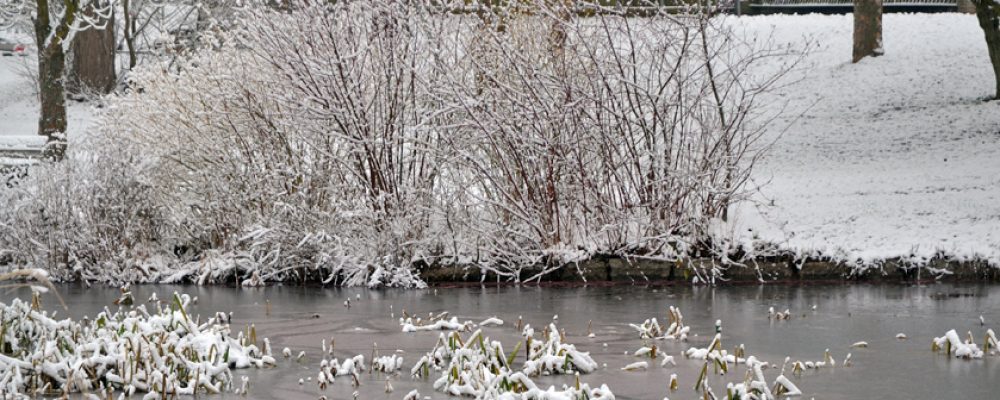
(355, 142)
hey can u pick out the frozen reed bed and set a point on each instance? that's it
(160, 352)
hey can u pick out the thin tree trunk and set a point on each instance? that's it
(93, 65)
(129, 32)
(988, 20)
(867, 29)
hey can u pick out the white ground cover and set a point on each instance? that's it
(896, 156)
(19, 106)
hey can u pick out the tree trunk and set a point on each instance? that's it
(129, 32)
(93, 66)
(51, 90)
(988, 20)
(52, 96)
(867, 29)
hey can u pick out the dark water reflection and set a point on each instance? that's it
(844, 314)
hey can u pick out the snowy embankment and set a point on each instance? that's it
(893, 157)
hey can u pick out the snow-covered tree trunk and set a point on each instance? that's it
(54, 24)
(51, 76)
(987, 13)
(867, 29)
(93, 66)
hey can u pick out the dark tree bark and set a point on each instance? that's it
(129, 31)
(987, 12)
(51, 76)
(93, 66)
(52, 96)
(867, 29)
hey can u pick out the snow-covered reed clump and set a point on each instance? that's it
(478, 367)
(550, 354)
(754, 385)
(165, 352)
(827, 362)
(329, 370)
(676, 330)
(952, 344)
(357, 142)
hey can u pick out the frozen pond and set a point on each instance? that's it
(302, 317)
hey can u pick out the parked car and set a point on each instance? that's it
(10, 48)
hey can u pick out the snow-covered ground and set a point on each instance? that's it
(896, 156)
(19, 106)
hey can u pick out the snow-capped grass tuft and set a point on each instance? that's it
(676, 330)
(550, 354)
(389, 364)
(990, 344)
(163, 351)
(648, 329)
(650, 352)
(478, 367)
(330, 369)
(953, 345)
(783, 315)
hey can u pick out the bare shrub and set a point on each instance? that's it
(609, 134)
(355, 142)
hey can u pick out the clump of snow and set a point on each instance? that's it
(668, 360)
(439, 322)
(636, 366)
(163, 351)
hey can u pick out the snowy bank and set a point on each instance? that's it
(882, 167)
(891, 158)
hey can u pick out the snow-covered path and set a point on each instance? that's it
(896, 156)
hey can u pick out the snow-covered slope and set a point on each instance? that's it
(896, 156)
